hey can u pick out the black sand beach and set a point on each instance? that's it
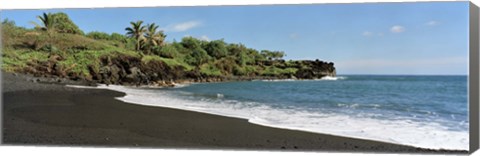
(39, 113)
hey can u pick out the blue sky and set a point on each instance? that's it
(368, 38)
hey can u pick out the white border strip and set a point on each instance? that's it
(49, 4)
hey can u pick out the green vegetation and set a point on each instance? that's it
(58, 47)
(57, 22)
(273, 55)
(98, 35)
(136, 32)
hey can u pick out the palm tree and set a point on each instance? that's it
(136, 32)
(153, 37)
(160, 38)
(150, 36)
(48, 22)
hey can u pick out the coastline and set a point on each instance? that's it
(46, 113)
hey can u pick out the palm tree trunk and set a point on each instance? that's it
(137, 46)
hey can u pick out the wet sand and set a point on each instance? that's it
(50, 114)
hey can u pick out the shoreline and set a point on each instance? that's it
(37, 113)
(236, 116)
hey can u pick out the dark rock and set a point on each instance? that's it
(134, 76)
(315, 69)
(122, 69)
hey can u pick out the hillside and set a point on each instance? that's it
(58, 48)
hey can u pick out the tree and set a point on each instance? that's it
(191, 43)
(136, 32)
(63, 24)
(57, 22)
(48, 22)
(197, 55)
(255, 56)
(273, 55)
(153, 37)
(158, 37)
(240, 52)
(216, 49)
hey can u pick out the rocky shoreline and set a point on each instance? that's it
(128, 70)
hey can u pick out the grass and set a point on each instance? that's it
(17, 59)
(80, 61)
(76, 61)
(273, 71)
(168, 61)
(210, 70)
(21, 46)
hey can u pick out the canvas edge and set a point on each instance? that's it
(1, 82)
(473, 77)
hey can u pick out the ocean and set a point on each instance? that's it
(422, 111)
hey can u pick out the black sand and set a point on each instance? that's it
(37, 113)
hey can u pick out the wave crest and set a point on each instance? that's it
(333, 78)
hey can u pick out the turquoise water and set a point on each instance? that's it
(422, 111)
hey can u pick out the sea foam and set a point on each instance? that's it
(333, 78)
(326, 78)
(402, 131)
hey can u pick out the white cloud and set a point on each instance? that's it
(184, 26)
(397, 29)
(204, 37)
(367, 33)
(432, 23)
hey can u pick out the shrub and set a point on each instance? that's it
(118, 37)
(226, 64)
(11, 35)
(239, 71)
(98, 35)
(167, 51)
(210, 70)
(197, 57)
(63, 24)
(274, 71)
(49, 48)
(216, 49)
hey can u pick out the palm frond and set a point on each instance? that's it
(47, 20)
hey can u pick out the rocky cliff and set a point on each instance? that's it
(129, 70)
